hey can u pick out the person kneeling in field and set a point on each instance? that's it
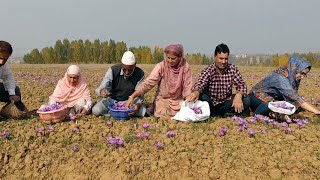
(9, 91)
(72, 92)
(118, 84)
(281, 84)
(174, 79)
(215, 86)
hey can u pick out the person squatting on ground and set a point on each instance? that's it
(118, 84)
(281, 85)
(73, 92)
(174, 79)
(9, 91)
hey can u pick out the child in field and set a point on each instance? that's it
(72, 92)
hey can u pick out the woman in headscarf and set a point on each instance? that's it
(174, 79)
(282, 85)
(72, 92)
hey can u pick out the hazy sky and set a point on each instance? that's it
(246, 26)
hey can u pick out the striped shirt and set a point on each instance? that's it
(219, 86)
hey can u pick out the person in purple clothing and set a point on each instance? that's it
(215, 86)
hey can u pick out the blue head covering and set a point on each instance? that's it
(295, 65)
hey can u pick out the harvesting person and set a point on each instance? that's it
(174, 79)
(282, 85)
(73, 92)
(9, 91)
(215, 86)
(118, 84)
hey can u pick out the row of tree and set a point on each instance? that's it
(275, 60)
(109, 52)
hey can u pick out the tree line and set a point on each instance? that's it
(109, 52)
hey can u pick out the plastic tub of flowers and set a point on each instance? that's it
(118, 111)
(54, 113)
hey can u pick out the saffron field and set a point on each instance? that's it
(153, 148)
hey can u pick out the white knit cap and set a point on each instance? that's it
(128, 58)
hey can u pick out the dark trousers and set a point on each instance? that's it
(4, 95)
(258, 106)
(225, 108)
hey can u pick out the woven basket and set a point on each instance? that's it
(15, 110)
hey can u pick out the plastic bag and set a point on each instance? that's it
(187, 114)
(282, 107)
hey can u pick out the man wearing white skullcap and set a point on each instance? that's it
(118, 84)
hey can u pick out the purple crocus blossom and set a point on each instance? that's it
(146, 135)
(115, 141)
(5, 134)
(251, 133)
(158, 145)
(39, 131)
(171, 134)
(145, 126)
(50, 128)
(263, 131)
(223, 131)
(72, 117)
(74, 148)
(138, 135)
(108, 123)
(74, 129)
(288, 130)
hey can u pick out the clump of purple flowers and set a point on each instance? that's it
(171, 134)
(52, 107)
(197, 110)
(72, 117)
(115, 141)
(5, 134)
(74, 148)
(283, 105)
(119, 106)
(142, 135)
(158, 145)
(223, 131)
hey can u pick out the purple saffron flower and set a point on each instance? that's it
(223, 131)
(275, 124)
(284, 124)
(288, 130)
(158, 145)
(39, 131)
(138, 135)
(146, 135)
(171, 134)
(145, 126)
(74, 148)
(300, 124)
(72, 117)
(263, 131)
(115, 141)
(5, 134)
(108, 123)
(252, 119)
(251, 133)
(75, 130)
(50, 128)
